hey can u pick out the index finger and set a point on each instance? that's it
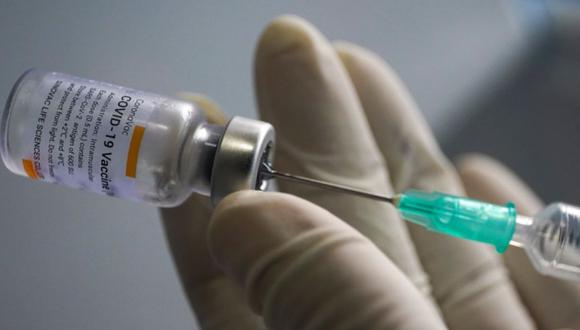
(304, 91)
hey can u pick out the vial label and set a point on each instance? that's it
(86, 134)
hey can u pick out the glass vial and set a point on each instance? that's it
(126, 143)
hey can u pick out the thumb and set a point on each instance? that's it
(303, 268)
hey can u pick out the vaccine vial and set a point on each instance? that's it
(126, 143)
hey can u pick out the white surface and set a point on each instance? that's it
(71, 260)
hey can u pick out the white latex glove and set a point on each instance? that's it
(343, 116)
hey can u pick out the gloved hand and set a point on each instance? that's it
(329, 260)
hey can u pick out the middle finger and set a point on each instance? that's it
(469, 282)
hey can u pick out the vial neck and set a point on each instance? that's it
(198, 155)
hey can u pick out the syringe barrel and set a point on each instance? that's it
(552, 241)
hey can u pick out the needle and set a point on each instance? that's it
(270, 173)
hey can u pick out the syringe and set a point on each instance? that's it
(551, 238)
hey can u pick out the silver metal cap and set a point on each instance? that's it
(246, 143)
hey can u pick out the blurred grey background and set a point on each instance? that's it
(501, 77)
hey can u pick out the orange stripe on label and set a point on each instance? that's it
(133, 155)
(29, 169)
